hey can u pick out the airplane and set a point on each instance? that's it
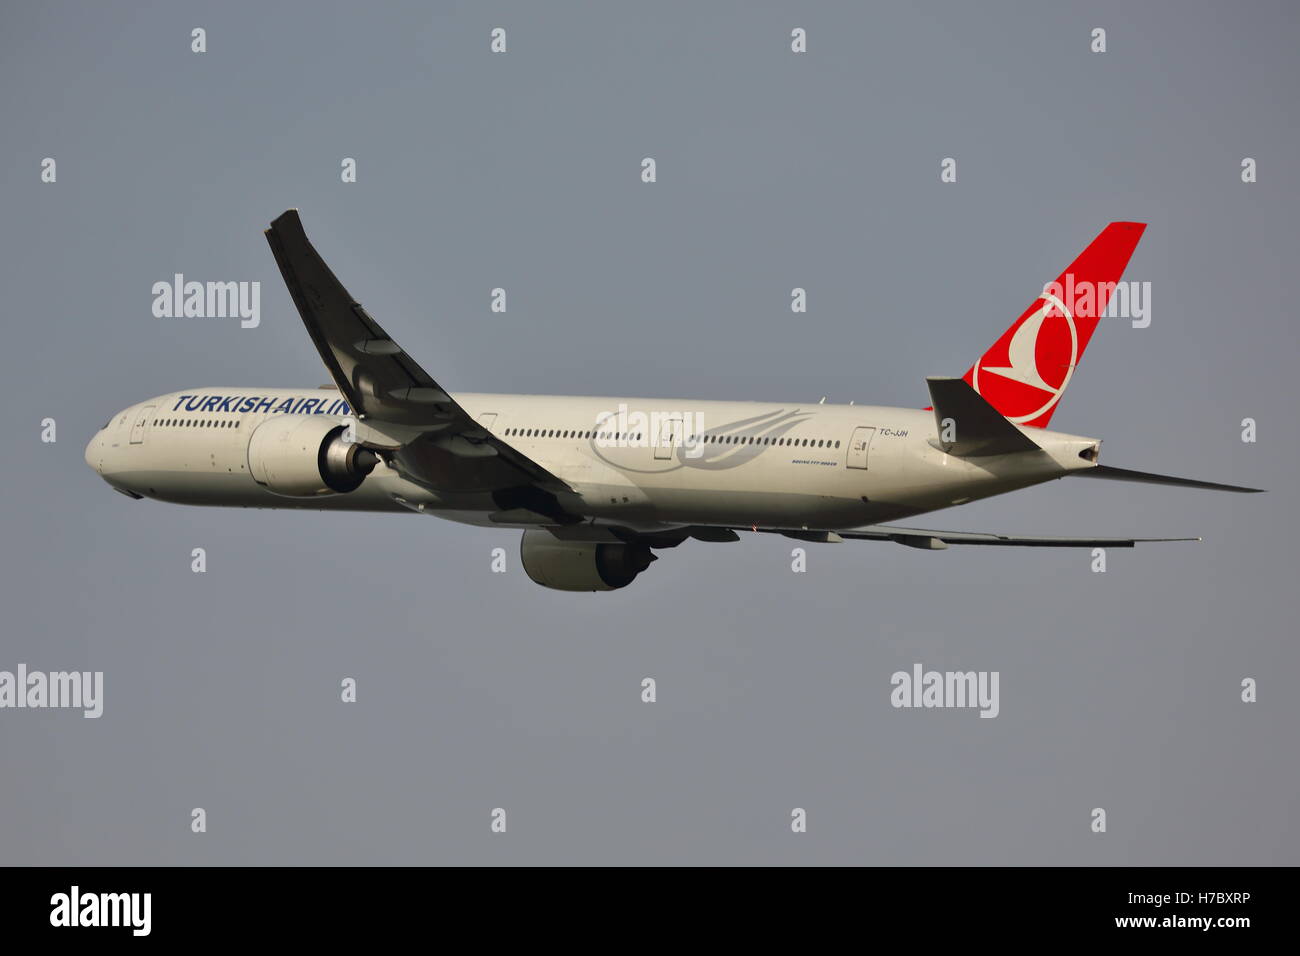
(598, 485)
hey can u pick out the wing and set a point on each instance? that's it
(451, 452)
(938, 540)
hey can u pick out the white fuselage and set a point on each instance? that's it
(672, 462)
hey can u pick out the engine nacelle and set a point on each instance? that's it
(301, 456)
(581, 565)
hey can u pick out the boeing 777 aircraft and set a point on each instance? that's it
(598, 484)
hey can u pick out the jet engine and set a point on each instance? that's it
(301, 456)
(581, 565)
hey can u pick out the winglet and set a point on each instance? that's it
(969, 426)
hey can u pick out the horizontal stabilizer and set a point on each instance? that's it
(969, 426)
(1124, 474)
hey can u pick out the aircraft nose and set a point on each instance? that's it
(93, 452)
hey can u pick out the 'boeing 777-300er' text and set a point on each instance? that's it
(598, 484)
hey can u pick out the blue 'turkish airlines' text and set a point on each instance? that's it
(243, 404)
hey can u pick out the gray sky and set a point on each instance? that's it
(476, 690)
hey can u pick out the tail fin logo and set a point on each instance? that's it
(1039, 361)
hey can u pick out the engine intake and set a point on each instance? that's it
(301, 456)
(581, 565)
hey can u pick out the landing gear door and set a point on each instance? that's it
(141, 422)
(859, 445)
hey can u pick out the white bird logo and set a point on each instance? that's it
(1022, 356)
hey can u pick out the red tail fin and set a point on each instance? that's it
(1025, 373)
